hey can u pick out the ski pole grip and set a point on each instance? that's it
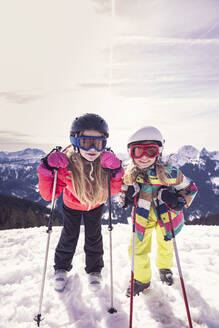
(58, 148)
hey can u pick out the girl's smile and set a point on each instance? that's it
(144, 162)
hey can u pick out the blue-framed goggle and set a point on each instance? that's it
(88, 142)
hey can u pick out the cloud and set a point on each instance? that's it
(10, 146)
(165, 68)
(94, 85)
(48, 49)
(12, 134)
(173, 18)
(103, 6)
(20, 98)
(13, 140)
(23, 97)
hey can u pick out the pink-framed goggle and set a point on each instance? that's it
(149, 150)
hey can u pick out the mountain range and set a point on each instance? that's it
(18, 178)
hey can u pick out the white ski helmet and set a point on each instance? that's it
(147, 133)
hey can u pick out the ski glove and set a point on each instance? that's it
(172, 198)
(110, 161)
(130, 193)
(57, 159)
(52, 161)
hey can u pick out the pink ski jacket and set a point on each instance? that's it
(64, 184)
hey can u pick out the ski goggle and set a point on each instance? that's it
(88, 142)
(149, 150)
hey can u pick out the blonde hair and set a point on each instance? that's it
(133, 171)
(89, 179)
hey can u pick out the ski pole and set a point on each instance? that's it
(180, 271)
(38, 318)
(110, 228)
(132, 264)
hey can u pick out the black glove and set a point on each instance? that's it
(129, 195)
(172, 198)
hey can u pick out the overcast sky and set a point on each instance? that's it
(55, 65)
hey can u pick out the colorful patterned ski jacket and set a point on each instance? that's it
(148, 197)
(64, 184)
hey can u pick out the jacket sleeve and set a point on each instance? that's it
(46, 187)
(116, 185)
(186, 187)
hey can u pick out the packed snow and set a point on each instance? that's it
(22, 259)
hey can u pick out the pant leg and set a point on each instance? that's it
(142, 270)
(93, 246)
(68, 240)
(165, 250)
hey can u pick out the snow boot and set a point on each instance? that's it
(139, 287)
(60, 280)
(166, 276)
(94, 280)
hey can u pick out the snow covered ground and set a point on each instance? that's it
(22, 258)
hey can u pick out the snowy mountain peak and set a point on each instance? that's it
(212, 154)
(189, 151)
(185, 154)
(28, 152)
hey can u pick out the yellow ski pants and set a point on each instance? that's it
(164, 258)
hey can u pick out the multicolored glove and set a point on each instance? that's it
(110, 161)
(172, 198)
(52, 162)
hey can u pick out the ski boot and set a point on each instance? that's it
(94, 280)
(60, 279)
(139, 287)
(166, 276)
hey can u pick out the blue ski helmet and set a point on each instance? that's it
(89, 122)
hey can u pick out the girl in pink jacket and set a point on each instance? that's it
(82, 177)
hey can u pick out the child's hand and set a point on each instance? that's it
(172, 198)
(57, 159)
(110, 161)
(130, 193)
(52, 161)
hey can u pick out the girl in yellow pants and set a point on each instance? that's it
(162, 191)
